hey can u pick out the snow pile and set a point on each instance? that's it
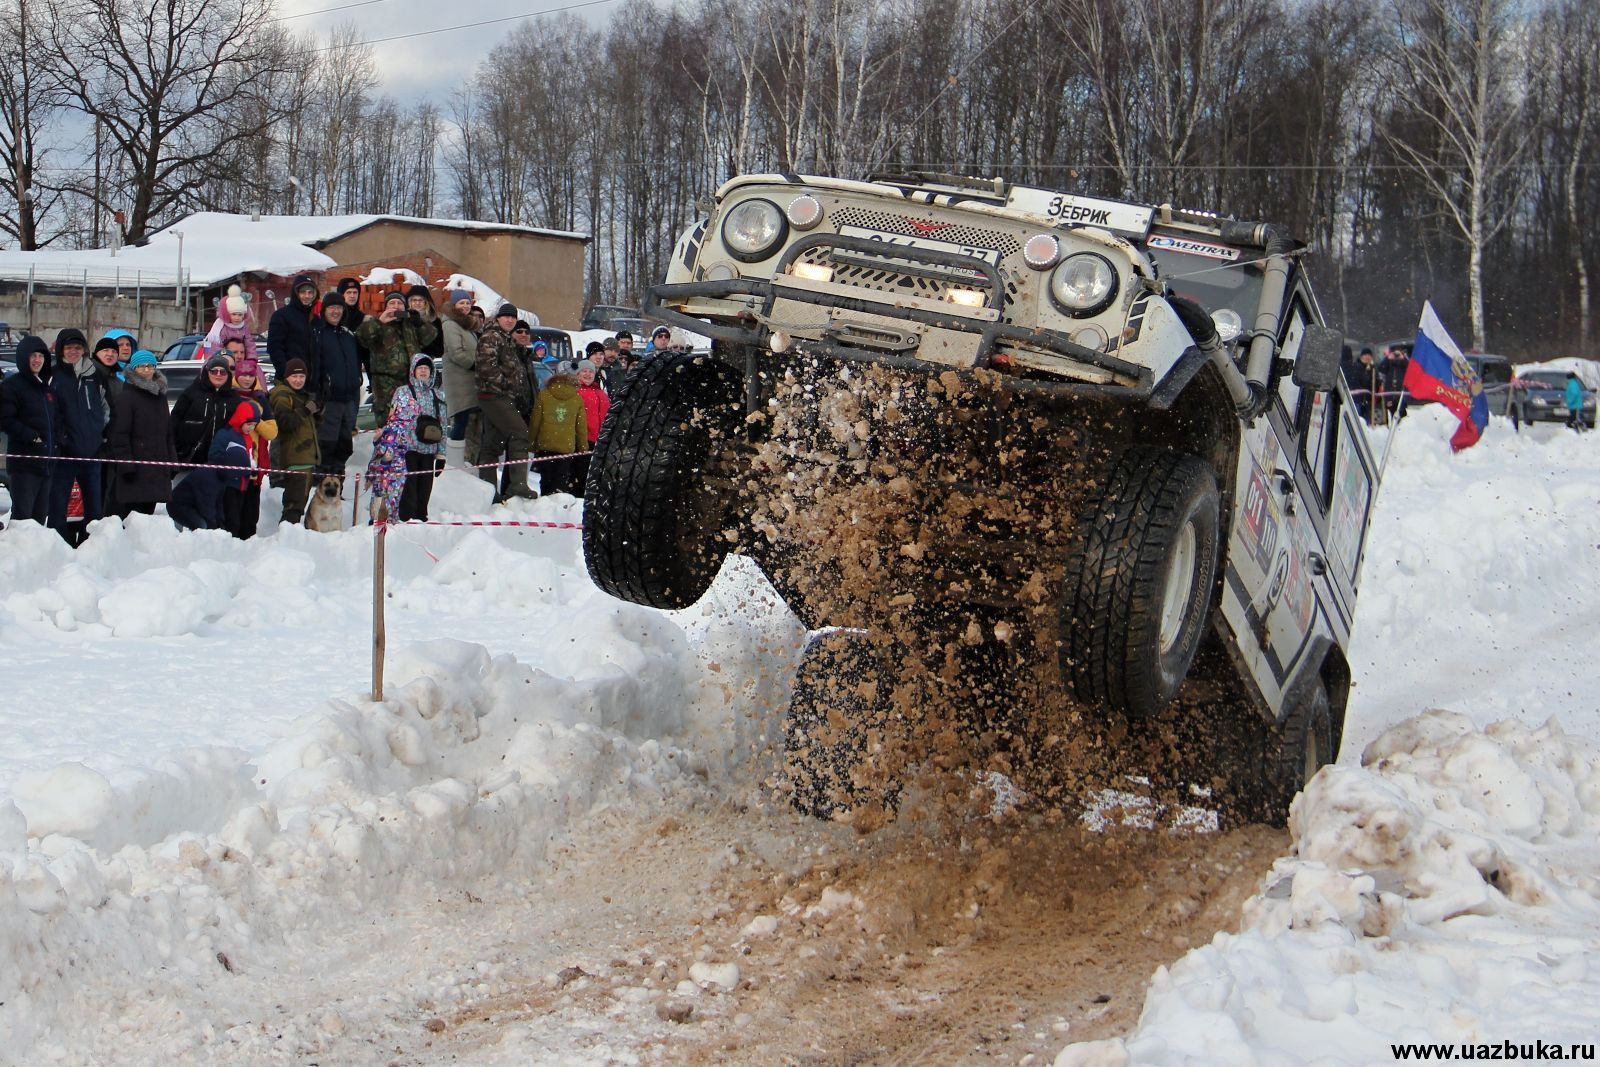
(487, 297)
(1492, 548)
(1445, 891)
(213, 859)
(401, 277)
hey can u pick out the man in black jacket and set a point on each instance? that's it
(84, 415)
(340, 387)
(31, 417)
(289, 332)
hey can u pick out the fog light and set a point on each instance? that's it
(805, 212)
(1228, 323)
(812, 272)
(721, 272)
(1041, 251)
(1090, 337)
(971, 298)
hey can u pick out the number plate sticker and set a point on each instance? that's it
(988, 255)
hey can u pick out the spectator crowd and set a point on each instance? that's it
(97, 425)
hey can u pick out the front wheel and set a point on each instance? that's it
(657, 500)
(1140, 573)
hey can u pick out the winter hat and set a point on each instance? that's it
(660, 331)
(610, 344)
(234, 302)
(506, 310)
(105, 344)
(70, 336)
(522, 324)
(592, 347)
(295, 366)
(418, 360)
(142, 358)
(477, 309)
(420, 290)
(587, 365)
(394, 295)
(347, 284)
(539, 346)
(331, 300)
(217, 361)
(304, 281)
(28, 346)
(246, 365)
(247, 411)
(566, 367)
(458, 295)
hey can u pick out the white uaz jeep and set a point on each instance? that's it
(1098, 437)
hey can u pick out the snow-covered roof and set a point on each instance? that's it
(217, 246)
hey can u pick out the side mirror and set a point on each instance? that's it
(1317, 366)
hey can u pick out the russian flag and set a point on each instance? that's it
(1438, 371)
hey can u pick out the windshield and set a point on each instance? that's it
(1211, 282)
(1546, 379)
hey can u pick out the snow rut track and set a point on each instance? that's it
(916, 945)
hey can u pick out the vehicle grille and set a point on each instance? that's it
(894, 277)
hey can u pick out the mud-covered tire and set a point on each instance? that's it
(1293, 751)
(838, 713)
(652, 522)
(1130, 621)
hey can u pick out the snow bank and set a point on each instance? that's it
(1444, 891)
(211, 857)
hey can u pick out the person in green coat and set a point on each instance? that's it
(298, 448)
(559, 427)
(391, 339)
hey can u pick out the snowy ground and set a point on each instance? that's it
(214, 848)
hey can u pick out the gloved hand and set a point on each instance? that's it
(415, 316)
(312, 407)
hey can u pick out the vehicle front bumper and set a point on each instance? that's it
(859, 325)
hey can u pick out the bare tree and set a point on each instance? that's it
(1574, 34)
(27, 104)
(1456, 118)
(159, 75)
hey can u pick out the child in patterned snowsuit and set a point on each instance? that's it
(386, 473)
(232, 323)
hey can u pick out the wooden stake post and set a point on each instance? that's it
(379, 536)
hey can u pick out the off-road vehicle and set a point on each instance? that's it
(1091, 447)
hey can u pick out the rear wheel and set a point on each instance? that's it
(1270, 776)
(657, 504)
(839, 717)
(1139, 579)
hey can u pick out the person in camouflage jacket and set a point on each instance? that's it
(392, 338)
(505, 400)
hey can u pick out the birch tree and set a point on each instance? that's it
(1457, 118)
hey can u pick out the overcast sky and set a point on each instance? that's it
(433, 63)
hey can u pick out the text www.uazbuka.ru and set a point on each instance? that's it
(1497, 1050)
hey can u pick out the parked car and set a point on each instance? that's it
(181, 349)
(559, 342)
(600, 316)
(1543, 397)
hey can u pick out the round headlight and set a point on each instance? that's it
(1041, 251)
(805, 212)
(1084, 284)
(753, 229)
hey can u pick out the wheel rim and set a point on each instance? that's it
(1180, 580)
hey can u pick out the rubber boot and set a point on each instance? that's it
(517, 482)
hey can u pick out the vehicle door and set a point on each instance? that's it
(1305, 476)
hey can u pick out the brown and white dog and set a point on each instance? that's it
(323, 512)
